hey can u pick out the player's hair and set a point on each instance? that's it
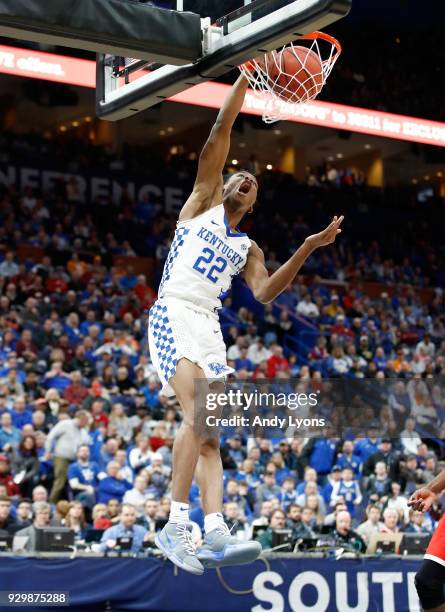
(227, 176)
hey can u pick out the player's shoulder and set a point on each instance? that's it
(256, 251)
(202, 215)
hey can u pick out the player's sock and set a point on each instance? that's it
(212, 521)
(179, 512)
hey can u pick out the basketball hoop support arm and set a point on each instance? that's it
(127, 29)
(221, 53)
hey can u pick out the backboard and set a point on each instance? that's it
(233, 31)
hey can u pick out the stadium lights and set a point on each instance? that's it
(339, 155)
(234, 162)
(269, 167)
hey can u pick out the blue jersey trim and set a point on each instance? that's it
(229, 232)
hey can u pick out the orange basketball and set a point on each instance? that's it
(296, 74)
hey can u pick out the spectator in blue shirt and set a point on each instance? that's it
(236, 451)
(128, 280)
(335, 476)
(89, 321)
(126, 528)
(243, 362)
(367, 446)
(71, 328)
(348, 459)
(309, 475)
(20, 415)
(282, 471)
(288, 493)
(348, 490)
(417, 523)
(9, 435)
(12, 366)
(144, 210)
(113, 486)
(56, 378)
(248, 473)
(321, 453)
(265, 451)
(151, 393)
(83, 477)
(380, 358)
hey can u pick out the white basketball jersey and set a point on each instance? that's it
(204, 257)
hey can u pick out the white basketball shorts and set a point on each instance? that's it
(176, 329)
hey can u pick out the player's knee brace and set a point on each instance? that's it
(430, 582)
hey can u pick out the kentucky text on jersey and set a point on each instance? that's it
(204, 257)
(220, 245)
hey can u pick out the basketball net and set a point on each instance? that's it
(279, 92)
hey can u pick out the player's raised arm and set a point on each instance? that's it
(266, 288)
(207, 190)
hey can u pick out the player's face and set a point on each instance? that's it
(241, 189)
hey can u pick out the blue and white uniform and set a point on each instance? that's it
(204, 257)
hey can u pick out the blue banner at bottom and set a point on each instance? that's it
(275, 584)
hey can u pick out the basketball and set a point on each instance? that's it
(297, 74)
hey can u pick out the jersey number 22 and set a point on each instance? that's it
(202, 264)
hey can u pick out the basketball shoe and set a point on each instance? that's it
(175, 541)
(220, 548)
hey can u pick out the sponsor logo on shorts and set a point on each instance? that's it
(218, 368)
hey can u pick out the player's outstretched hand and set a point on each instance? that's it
(422, 500)
(328, 235)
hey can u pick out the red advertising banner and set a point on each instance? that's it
(74, 71)
(47, 66)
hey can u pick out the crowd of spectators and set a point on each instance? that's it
(86, 436)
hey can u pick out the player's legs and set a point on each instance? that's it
(430, 583)
(209, 470)
(196, 447)
(175, 538)
(196, 452)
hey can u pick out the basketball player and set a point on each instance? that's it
(430, 579)
(185, 338)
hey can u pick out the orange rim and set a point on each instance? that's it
(327, 37)
(249, 66)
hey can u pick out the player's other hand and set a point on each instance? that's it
(422, 500)
(327, 236)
